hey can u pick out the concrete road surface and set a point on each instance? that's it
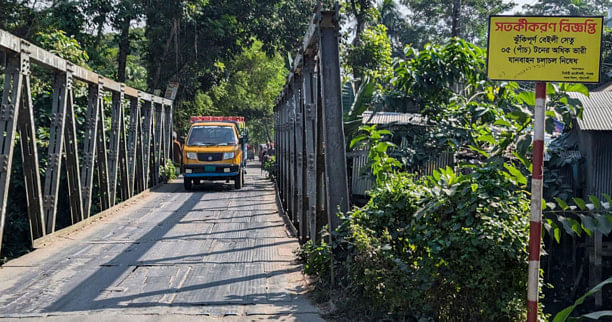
(167, 255)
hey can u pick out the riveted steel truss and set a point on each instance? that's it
(122, 169)
(309, 135)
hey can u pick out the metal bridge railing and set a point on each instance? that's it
(309, 134)
(128, 160)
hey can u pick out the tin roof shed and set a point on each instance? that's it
(597, 114)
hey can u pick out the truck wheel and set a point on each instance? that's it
(239, 180)
(187, 183)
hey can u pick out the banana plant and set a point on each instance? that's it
(359, 103)
(564, 315)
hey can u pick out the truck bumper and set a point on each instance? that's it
(211, 171)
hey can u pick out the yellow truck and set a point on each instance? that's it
(214, 150)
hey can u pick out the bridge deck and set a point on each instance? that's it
(166, 255)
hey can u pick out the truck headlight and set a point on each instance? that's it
(192, 155)
(228, 155)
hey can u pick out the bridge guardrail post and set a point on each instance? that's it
(322, 218)
(89, 147)
(299, 146)
(157, 141)
(29, 150)
(132, 144)
(16, 79)
(17, 116)
(125, 190)
(310, 120)
(284, 152)
(292, 151)
(169, 141)
(335, 154)
(102, 155)
(146, 145)
(73, 175)
(139, 180)
(115, 138)
(56, 141)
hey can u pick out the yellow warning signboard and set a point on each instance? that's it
(556, 49)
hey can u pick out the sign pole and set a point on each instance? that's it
(535, 220)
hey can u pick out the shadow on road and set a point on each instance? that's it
(89, 295)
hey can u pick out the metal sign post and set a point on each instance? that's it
(535, 220)
(541, 49)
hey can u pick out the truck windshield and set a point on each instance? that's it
(212, 135)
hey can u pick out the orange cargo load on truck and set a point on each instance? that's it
(214, 150)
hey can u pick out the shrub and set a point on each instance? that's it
(270, 166)
(317, 260)
(167, 172)
(451, 248)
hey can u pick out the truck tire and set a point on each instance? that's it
(187, 183)
(239, 180)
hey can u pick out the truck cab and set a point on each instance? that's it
(213, 150)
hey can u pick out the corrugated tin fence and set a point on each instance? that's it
(362, 179)
(361, 176)
(122, 170)
(601, 179)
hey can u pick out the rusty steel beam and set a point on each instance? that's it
(310, 121)
(89, 146)
(102, 159)
(56, 144)
(157, 142)
(147, 112)
(51, 61)
(336, 179)
(126, 165)
(132, 143)
(115, 138)
(29, 154)
(11, 95)
(72, 160)
(299, 149)
(125, 190)
(311, 157)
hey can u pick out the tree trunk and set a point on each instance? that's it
(456, 26)
(360, 16)
(160, 60)
(124, 49)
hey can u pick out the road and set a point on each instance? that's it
(167, 255)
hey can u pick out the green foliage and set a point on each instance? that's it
(568, 7)
(261, 130)
(430, 78)
(253, 81)
(433, 20)
(362, 101)
(452, 247)
(372, 56)
(464, 112)
(270, 167)
(168, 171)
(383, 166)
(66, 47)
(449, 247)
(564, 315)
(581, 217)
(317, 260)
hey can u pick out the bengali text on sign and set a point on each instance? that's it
(558, 49)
